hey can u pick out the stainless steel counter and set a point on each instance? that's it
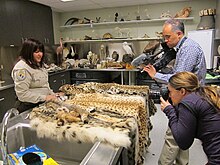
(6, 86)
(64, 152)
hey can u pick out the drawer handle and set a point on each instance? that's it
(80, 75)
(2, 99)
(62, 75)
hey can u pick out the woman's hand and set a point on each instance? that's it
(60, 94)
(163, 103)
(51, 97)
(150, 70)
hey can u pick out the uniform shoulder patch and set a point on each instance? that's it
(21, 74)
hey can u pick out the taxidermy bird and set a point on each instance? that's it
(127, 48)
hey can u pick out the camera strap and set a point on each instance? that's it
(183, 40)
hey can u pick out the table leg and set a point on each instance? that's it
(122, 77)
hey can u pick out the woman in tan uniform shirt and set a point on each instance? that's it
(30, 77)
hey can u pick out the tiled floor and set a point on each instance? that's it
(160, 122)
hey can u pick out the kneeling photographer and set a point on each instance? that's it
(189, 57)
(195, 113)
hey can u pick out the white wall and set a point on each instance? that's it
(137, 30)
(56, 27)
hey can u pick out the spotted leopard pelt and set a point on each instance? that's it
(125, 90)
(116, 89)
(46, 120)
(118, 110)
(110, 88)
(128, 106)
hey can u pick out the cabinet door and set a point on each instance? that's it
(7, 100)
(37, 22)
(65, 78)
(21, 19)
(27, 19)
(12, 25)
(59, 79)
(55, 82)
(80, 76)
(44, 19)
(3, 24)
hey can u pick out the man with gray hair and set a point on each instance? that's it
(190, 57)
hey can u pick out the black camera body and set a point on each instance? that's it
(160, 62)
(156, 94)
(164, 93)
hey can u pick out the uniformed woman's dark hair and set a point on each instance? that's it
(28, 48)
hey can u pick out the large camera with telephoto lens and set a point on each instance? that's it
(160, 61)
(156, 94)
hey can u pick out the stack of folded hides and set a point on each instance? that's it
(111, 113)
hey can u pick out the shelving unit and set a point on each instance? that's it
(111, 40)
(128, 39)
(121, 22)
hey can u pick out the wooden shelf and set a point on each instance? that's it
(122, 22)
(111, 40)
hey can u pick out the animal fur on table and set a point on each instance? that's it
(110, 88)
(117, 89)
(47, 122)
(91, 114)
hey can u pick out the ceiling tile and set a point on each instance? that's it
(77, 5)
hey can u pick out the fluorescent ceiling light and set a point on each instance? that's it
(67, 0)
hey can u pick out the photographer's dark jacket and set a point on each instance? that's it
(193, 118)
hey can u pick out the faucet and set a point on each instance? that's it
(7, 115)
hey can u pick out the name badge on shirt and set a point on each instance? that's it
(21, 74)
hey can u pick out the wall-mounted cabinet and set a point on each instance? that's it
(3, 24)
(24, 19)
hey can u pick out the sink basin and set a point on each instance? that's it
(63, 152)
(19, 135)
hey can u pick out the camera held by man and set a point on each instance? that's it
(161, 58)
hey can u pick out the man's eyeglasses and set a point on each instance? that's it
(166, 37)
